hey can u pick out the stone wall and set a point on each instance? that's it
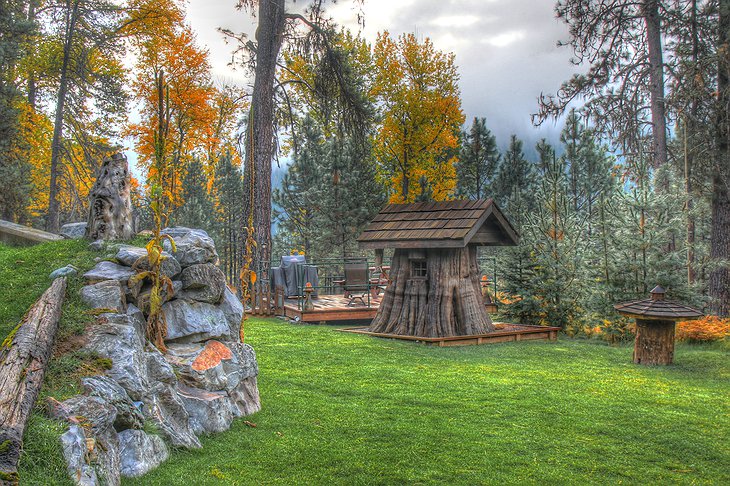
(206, 378)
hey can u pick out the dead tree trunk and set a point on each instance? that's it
(25, 353)
(110, 205)
(446, 302)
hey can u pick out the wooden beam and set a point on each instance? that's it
(23, 359)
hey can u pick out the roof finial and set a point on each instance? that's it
(657, 293)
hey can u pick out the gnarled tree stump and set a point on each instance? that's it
(654, 343)
(110, 205)
(447, 301)
(25, 353)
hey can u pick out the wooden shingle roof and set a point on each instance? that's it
(439, 224)
(656, 308)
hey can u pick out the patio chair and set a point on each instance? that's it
(356, 284)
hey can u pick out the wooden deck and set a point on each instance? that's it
(331, 308)
(507, 333)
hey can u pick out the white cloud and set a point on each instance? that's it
(455, 20)
(504, 39)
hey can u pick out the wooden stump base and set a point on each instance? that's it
(654, 344)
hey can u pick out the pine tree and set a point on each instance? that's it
(478, 161)
(198, 209)
(514, 182)
(295, 202)
(228, 192)
(14, 168)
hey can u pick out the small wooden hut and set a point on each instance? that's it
(434, 288)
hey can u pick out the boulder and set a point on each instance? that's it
(245, 397)
(158, 369)
(109, 271)
(100, 439)
(140, 452)
(233, 310)
(97, 245)
(164, 407)
(190, 321)
(128, 255)
(193, 246)
(141, 294)
(203, 282)
(95, 411)
(136, 319)
(106, 294)
(209, 411)
(63, 272)
(128, 415)
(73, 231)
(213, 366)
(75, 451)
(121, 344)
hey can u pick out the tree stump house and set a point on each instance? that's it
(435, 288)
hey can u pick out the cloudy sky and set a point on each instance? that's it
(505, 49)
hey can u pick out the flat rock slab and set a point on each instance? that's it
(107, 294)
(109, 271)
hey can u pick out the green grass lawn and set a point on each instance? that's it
(350, 409)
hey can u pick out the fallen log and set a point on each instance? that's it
(23, 358)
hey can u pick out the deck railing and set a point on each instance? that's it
(265, 300)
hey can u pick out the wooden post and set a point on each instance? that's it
(23, 358)
(654, 343)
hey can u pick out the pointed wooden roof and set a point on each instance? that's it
(656, 308)
(439, 224)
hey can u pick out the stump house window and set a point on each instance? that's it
(418, 268)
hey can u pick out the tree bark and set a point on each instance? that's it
(23, 359)
(260, 147)
(654, 344)
(110, 204)
(448, 302)
(53, 221)
(650, 11)
(719, 282)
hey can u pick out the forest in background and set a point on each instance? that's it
(635, 193)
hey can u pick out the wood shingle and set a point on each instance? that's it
(439, 224)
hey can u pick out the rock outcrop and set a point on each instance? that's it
(204, 380)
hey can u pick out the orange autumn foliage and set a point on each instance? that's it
(417, 88)
(172, 47)
(706, 329)
(77, 177)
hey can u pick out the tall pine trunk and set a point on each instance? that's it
(53, 221)
(719, 284)
(260, 146)
(650, 11)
